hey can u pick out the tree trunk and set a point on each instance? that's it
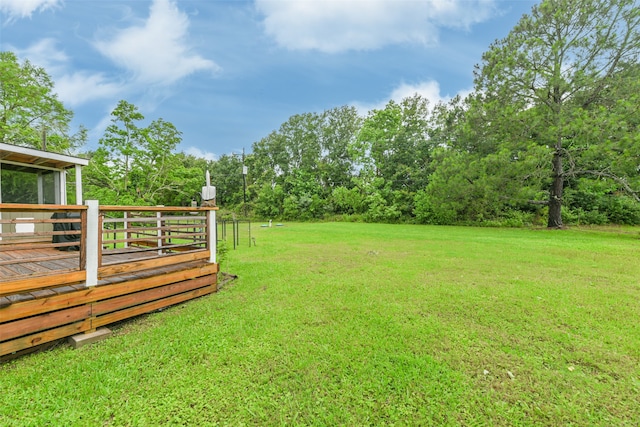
(555, 195)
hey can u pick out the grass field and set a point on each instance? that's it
(364, 324)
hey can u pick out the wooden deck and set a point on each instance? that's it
(47, 261)
(36, 261)
(47, 294)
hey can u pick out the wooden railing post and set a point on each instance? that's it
(159, 232)
(212, 229)
(83, 240)
(93, 242)
(125, 225)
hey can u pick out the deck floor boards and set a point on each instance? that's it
(20, 270)
(44, 261)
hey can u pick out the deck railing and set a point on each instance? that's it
(28, 238)
(95, 242)
(134, 238)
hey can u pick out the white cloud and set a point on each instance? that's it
(196, 152)
(44, 53)
(428, 89)
(339, 25)
(156, 51)
(16, 9)
(73, 88)
(80, 87)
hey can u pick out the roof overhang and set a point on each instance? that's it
(28, 156)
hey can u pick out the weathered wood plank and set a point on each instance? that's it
(46, 234)
(38, 268)
(185, 247)
(15, 245)
(63, 289)
(44, 258)
(9, 347)
(45, 321)
(20, 297)
(20, 270)
(60, 264)
(23, 244)
(43, 293)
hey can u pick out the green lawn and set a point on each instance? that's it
(364, 324)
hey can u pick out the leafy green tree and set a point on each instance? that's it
(118, 147)
(397, 139)
(270, 201)
(394, 145)
(137, 165)
(185, 179)
(470, 188)
(304, 197)
(226, 175)
(295, 146)
(339, 131)
(307, 158)
(30, 113)
(348, 201)
(553, 78)
(154, 161)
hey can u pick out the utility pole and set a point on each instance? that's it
(244, 182)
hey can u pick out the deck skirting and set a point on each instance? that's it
(26, 324)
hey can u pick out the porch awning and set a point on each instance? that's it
(41, 165)
(30, 156)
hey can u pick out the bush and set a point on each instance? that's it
(426, 213)
(222, 251)
(348, 201)
(379, 210)
(622, 210)
(517, 219)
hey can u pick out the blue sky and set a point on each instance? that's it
(228, 73)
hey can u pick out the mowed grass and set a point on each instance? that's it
(365, 324)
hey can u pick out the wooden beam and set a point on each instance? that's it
(128, 267)
(9, 347)
(146, 308)
(88, 295)
(113, 208)
(41, 282)
(103, 307)
(45, 321)
(22, 207)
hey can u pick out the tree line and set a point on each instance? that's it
(550, 135)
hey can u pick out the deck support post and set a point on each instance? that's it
(212, 230)
(93, 211)
(78, 185)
